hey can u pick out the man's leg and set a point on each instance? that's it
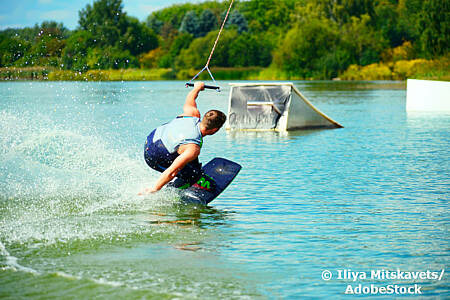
(156, 155)
(158, 158)
(188, 176)
(191, 173)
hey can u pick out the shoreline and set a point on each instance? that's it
(392, 71)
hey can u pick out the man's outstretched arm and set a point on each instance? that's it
(190, 152)
(190, 106)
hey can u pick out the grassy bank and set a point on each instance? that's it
(126, 74)
(112, 75)
(399, 70)
(38, 73)
(34, 73)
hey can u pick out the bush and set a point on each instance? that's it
(403, 52)
(422, 69)
(110, 58)
(401, 70)
(151, 59)
(370, 72)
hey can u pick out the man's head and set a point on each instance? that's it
(212, 121)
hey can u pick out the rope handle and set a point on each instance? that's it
(211, 87)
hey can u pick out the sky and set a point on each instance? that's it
(26, 13)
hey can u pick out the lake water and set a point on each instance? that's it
(371, 196)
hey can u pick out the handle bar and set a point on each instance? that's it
(211, 87)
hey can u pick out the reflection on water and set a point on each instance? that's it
(190, 217)
(324, 85)
(374, 194)
(184, 214)
(269, 136)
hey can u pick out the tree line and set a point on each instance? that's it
(303, 38)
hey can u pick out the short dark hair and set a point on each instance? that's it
(213, 119)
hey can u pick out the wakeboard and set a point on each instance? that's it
(216, 176)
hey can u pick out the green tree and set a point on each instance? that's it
(190, 24)
(340, 11)
(434, 25)
(268, 15)
(106, 21)
(12, 49)
(74, 55)
(397, 21)
(238, 20)
(387, 21)
(196, 55)
(138, 38)
(364, 42)
(54, 29)
(249, 50)
(207, 22)
(112, 30)
(154, 23)
(172, 16)
(47, 46)
(180, 42)
(28, 34)
(110, 57)
(305, 45)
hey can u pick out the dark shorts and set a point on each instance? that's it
(159, 159)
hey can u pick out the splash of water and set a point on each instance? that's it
(60, 184)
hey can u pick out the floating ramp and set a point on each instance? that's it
(427, 96)
(273, 106)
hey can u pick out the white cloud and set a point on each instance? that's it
(2, 27)
(149, 8)
(57, 15)
(143, 8)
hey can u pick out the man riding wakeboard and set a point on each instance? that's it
(173, 148)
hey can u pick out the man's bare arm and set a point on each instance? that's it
(189, 153)
(190, 106)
